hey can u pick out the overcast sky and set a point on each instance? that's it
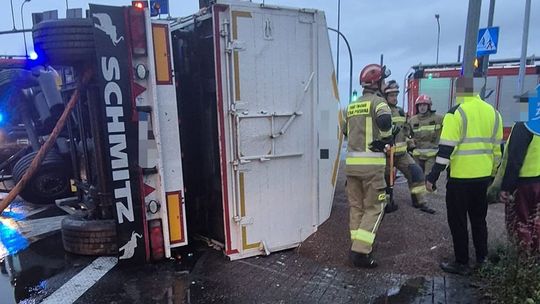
(405, 31)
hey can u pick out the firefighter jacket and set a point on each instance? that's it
(362, 129)
(523, 164)
(399, 120)
(470, 140)
(425, 131)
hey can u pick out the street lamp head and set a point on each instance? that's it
(436, 15)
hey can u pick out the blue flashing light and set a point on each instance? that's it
(33, 56)
(1, 117)
(11, 239)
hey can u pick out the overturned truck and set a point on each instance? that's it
(221, 125)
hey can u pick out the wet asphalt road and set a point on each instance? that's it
(410, 245)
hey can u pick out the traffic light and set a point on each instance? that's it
(139, 4)
(479, 66)
(354, 95)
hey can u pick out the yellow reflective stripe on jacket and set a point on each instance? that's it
(451, 143)
(400, 147)
(363, 236)
(365, 158)
(425, 152)
(380, 105)
(385, 133)
(427, 128)
(398, 119)
(474, 152)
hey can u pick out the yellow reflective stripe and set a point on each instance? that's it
(358, 108)
(369, 132)
(365, 161)
(476, 140)
(366, 154)
(379, 106)
(451, 143)
(427, 128)
(442, 160)
(425, 152)
(400, 149)
(386, 133)
(398, 119)
(419, 189)
(474, 152)
(363, 236)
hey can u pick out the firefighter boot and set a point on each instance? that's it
(362, 260)
(422, 207)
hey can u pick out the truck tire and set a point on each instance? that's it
(89, 237)
(65, 41)
(50, 182)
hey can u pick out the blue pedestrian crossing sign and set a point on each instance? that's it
(488, 38)
(534, 113)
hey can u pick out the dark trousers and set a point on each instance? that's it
(467, 198)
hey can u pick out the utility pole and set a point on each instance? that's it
(471, 37)
(459, 53)
(524, 40)
(485, 65)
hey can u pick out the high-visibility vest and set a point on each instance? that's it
(474, 128)
(362, 130)
(531, 163)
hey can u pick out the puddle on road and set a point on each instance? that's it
(407, 293)
(24, 275)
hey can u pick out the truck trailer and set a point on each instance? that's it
(222, 125)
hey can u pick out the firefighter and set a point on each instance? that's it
(403, 161)
(367, 125)
(425, 132)
(520, 188)
(470, 146)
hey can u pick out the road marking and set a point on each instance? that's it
(81, 282)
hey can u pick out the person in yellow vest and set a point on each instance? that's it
(425, 129)
(470, 147)
(368, 126)
(403, 161)
(520, 188)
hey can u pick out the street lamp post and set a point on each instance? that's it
(12, 15)
(24, 33)
(338, 30)
(438, 35)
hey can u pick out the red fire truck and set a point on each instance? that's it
(438, 81)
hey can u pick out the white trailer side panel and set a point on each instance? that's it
(280, 136)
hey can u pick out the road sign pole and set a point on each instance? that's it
(471, 35)
(524, 40)
(485, 66)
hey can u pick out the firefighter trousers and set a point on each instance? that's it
(367, 199)
(414, 175)
(425, 163)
